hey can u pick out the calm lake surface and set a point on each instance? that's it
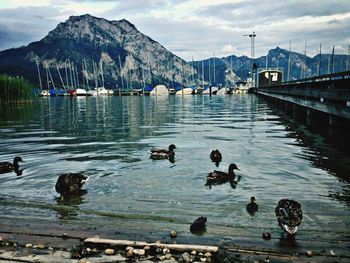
(108, 138)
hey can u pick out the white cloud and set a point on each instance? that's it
(193, 28)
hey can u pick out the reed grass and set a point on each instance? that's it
(14, 89)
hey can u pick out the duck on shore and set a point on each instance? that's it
(252, 207)
(216, 157)
(219, 177)
(6, 167)
(70, 184)
(289, 215)
(157, 154)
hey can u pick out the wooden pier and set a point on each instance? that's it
(322, 102)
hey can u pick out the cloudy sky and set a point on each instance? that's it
(195, 28)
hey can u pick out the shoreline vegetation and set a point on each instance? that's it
(14, 89)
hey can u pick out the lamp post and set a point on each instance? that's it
(252, 51)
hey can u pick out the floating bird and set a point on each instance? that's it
(216, 157)
(252, 207)
(6, 167)
(266, 236)
(289, 215)
(70, 183)
(157, 154)
(198, 224)
(219, 177)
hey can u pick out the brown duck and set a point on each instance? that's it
(6, 167)
(219, 177)
(157, 154)
(215, 156)
(70, 183)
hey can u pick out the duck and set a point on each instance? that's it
(198, 224)
(219, 177)
(6, 167)
(289, 215)
(252, 207)
(157, 154)
(216, 157)
(70, 184)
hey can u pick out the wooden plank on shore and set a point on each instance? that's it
(176, 247)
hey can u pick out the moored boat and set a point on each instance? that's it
(159, 90)
(81, 92)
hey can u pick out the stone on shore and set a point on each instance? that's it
(109, 251)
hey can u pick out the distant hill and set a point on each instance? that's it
(301, 66)
(93, 51)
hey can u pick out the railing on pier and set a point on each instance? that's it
(327, 93)
(316, 79)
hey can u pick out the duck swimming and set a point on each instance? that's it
(198, 224)
(216, 157)
(252, 207)
(289, 215)
(70, 183)
(157, 154)
(6, 167)
(219, 177)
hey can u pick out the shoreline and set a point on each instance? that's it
(43, 241)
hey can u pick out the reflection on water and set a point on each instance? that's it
(73, 202)
(109, 138)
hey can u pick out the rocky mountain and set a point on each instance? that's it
(91, 51)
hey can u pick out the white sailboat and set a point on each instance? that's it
(159, 90)
(184, 91)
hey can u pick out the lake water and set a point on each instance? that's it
(108, 138)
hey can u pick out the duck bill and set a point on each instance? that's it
(289, 229)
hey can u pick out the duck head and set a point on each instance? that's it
(252, 199)
(232, 167)
(171, 147)
(16, 160)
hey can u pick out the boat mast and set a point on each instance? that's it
(59, 74)
(65, 68)
(70, 73)
(101, 72)
(214, 69)
(37, 66)
(303, 66)
(203, 74)
(319, 63)
(193, 73)
(143, 80)
(77, 76)
(332, 60)
(120, 69)
(209, 71)
(347, 62)
(73, 74)
(51, 78)
(47, 76)
(289, 60)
